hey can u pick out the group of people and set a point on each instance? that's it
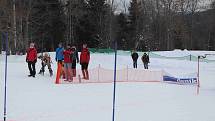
(69, 57)
(144, 58)
(66, 57)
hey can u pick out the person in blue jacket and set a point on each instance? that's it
(59, 53)
(59, 57)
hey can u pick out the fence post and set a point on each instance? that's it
(190, 57)
(198, 80)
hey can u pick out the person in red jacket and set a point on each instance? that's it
(31, 59)
(84, 61)
(68, 63)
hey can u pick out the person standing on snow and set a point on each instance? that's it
(75, 59)
(31, 59)
(68, 63)
(134, 56)
(84, 61)
(145, 59)
(59, 57)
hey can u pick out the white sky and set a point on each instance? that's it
(121, 8)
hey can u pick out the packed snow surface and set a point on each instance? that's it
(39, 99)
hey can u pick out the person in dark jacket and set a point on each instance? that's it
(75, 59)
(84, 61)
(134, 56)
(31, 59)
(145, 60)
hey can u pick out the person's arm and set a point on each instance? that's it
(35, 55)
(88, 56)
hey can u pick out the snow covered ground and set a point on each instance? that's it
(39, 99)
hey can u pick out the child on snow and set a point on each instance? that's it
(46, 61)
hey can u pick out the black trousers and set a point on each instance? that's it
(135, 63)
(146, 66)
(31, 67)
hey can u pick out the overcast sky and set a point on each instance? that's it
(120, 6)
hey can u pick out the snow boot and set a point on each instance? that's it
(51, 72)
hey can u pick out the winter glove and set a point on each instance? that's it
(26, 60)
(56, 59)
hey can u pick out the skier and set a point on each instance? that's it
(31, 59)
(46, 61)
(134, 56)
(68, 63)
(84, 61)
(59, 59)
(75, 59)
(145, 59)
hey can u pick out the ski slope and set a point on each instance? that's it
(39, 99)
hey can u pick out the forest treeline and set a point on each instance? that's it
(144, 25)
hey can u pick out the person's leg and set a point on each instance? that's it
(30, 69)
(74, 69)
(144, 65)
(70, 72)
(83, 70)
(34, 70)
(50, 69)
(87, 73)
(66, 71)
(147, 66)
(135, 64)
(41, 70)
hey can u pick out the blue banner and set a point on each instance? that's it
(186, 81)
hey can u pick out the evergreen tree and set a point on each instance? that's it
(122, 31)
(134, 14)
(98, 22)
(47, 23)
